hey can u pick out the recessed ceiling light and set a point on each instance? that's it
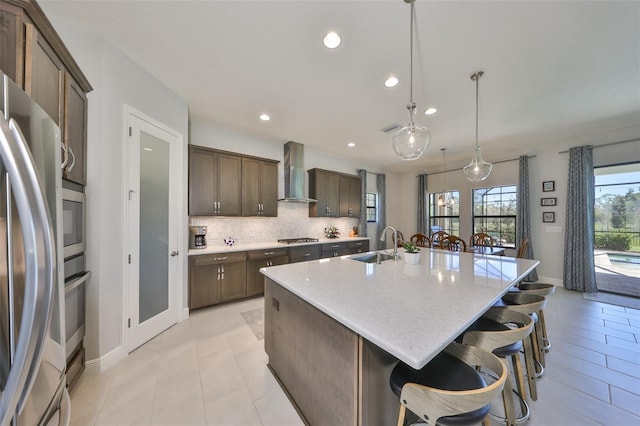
(265, 117)
(391, 81)
(332, 40)
(351, 144)
(430, 111)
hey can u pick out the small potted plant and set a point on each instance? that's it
(411, 253)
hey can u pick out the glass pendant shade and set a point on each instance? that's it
(410, 142)
(478, 169)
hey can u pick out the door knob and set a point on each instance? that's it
(175, 253)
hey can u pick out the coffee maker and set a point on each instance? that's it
(197, 238)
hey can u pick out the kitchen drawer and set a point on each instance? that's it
(267, 253)
(219, 258)
(304, 253)
(358, 246)
(335, 249)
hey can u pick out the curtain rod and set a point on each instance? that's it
(605, 144)
(460, 168)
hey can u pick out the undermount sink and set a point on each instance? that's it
(373, 257)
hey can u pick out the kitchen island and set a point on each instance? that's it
(334, 328)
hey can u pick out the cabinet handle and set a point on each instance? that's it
(269, 253)
(222, 272)
(306, 254)
(220, 258)
(336, 246)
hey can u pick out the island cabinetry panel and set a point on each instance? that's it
(216, 278)
(324, 186)
(259, 259)
(360, 246)
(304, 253)
(259, 187)
(314, 357)
(214, 183)
(335, 249)
(349, 196)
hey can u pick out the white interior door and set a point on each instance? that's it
(154, 182)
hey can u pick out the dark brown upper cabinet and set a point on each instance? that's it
(214, 183)
(324, 186)
(259, 187)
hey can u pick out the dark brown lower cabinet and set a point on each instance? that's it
(260, 259)
(334, 249)
(223, 277)
(216, 278)
(304, 253)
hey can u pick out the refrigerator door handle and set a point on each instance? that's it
(40, 267)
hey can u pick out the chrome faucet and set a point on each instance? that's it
(395, 240)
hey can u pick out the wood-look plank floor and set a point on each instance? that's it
(211, 370)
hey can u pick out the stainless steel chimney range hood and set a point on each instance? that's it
(294, 174)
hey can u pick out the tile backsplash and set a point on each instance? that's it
(293, 221)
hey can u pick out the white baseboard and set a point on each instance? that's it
(106, 361)
(555, 281)
(185, 315)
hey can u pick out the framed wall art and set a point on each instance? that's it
(549, 186)
(548, 201)
(548, 217)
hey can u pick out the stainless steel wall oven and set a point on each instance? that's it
(73, 220)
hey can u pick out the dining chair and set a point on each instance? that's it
(481, 239)
(449, 390)
(437, 237)
(522, 248)
(421, 240)
(454, 243)
(400, 239)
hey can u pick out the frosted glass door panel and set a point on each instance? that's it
(154, 226)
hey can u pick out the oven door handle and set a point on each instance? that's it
(77, 282)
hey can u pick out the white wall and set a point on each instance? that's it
(117, 81)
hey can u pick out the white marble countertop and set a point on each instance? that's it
(411, 311)
(221, 248)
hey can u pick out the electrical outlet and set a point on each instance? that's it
(275, 303)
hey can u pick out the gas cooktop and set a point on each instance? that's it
(297, 240)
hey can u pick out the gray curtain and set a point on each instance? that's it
(382, 207)
(579, 269)
(523, 215)
(423, 214)
(362, 223)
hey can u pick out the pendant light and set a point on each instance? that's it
(410, 141)
(478, 169)
(445, 197)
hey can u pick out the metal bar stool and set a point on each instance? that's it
(449, 390)
(546, 290)
(529, 304)
(502, 332)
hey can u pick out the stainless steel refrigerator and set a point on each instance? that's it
(32, 341)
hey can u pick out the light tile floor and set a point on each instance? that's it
(211, 369)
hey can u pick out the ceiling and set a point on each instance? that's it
(555, 71)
